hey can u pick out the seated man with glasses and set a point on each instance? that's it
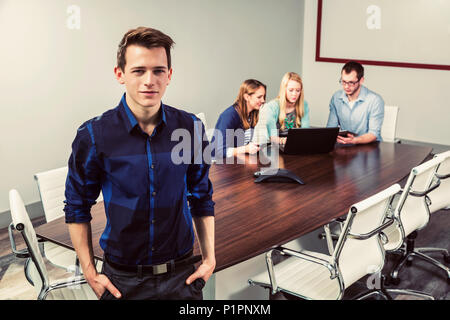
(356, 109)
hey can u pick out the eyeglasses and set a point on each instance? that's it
(348, 83)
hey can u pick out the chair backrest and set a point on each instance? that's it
(359, 250)
(52, 185)
(208, 132)
(261, 134)
(22, 223)
(440, 197)
(389, 127)
(412, 212)
(202, 117)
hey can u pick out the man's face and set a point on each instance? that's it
(146, 76)
(350, 82)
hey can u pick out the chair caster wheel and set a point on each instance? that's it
(447, 258)
(408, 263)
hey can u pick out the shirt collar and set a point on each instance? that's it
(130, 119)
(361, 97)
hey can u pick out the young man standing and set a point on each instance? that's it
(355, 108)
(150, 202)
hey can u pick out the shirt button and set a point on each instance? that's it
(153, 248)
(153, 166)
(154, 193)
(153, 221)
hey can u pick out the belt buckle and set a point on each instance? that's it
(160, 268)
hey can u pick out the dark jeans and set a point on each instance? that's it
(167, 286)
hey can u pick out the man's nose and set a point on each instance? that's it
(149, 78)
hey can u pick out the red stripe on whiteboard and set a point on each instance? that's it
(368, 62)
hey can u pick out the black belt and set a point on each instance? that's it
(155, 269)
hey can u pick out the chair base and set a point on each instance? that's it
(408, 253)
(386, 294)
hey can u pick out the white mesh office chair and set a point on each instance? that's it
(74, 288)
(202, 117)
(260, 135)
(440, 198)
(51, 185)
(359, 251)
(389, 127)
(412, 213)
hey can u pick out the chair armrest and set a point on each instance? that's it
(374, 232)
(329, 238)
(18, 253)
(71, 282)
(442, 176)
(299, 255)
(424, 193)
(310, 258)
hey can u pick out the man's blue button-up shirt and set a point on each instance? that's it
(366, 116)
(148, 198)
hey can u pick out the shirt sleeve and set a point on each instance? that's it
(305, 118)
(333, 120)
(219, 140)
(376, 117)
(83, 179)
(267, 123)
(199, 186)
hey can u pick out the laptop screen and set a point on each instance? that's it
(310, 140)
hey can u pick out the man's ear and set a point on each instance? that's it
(119, 75)
(169, 75)
(361, 81)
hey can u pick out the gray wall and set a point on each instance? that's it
(55, 78)
(422, 95)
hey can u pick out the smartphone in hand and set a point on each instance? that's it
(345, 133)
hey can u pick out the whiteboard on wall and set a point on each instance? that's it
(401, 33)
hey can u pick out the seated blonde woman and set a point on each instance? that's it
(288, 110)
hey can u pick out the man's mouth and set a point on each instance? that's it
(149, 93)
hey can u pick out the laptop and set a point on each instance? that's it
(310, 140)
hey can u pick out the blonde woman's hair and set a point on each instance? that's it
(299, 104)
(249, 87)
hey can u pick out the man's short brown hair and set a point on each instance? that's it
(354, 66)
(145, 37)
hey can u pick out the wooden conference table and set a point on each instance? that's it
(252, 217)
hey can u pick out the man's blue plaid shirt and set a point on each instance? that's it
(148, 198)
